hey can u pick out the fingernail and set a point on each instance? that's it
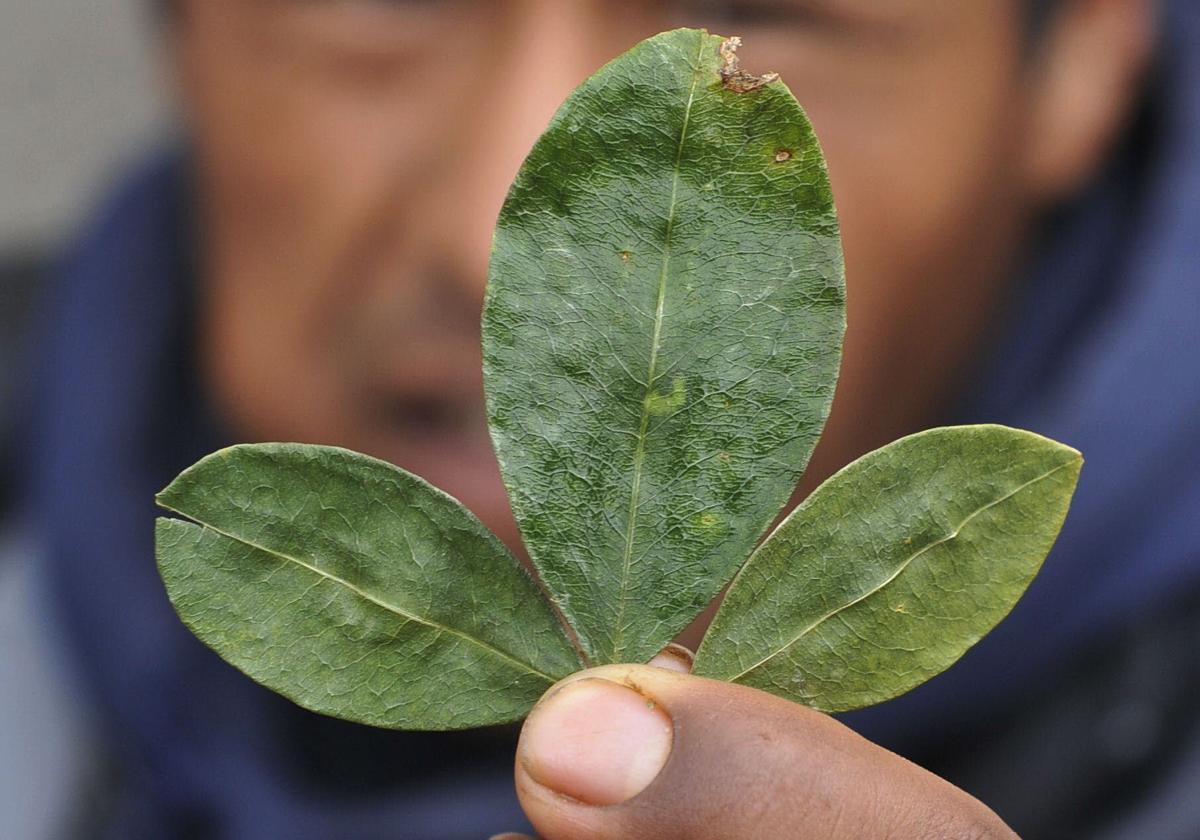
(675, 658)
(596, 741)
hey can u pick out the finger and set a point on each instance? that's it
(675, 658)
(646, 753)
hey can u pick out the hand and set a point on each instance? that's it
(649, 752)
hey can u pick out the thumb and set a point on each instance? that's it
(645, 753)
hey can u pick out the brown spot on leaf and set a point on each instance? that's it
(783, 155)
(733, 77)
(626, 256)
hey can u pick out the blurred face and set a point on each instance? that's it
(354, 156)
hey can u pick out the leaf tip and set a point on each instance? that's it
(733, 77)
(1071, 457)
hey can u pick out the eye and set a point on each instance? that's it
(383, 11)
(749, 12)
(401, 6)
(373, 28)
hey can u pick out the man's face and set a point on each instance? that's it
(354, 156)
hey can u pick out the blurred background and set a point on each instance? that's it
(237, 220)
(81, 96)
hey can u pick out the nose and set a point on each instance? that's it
(544, 49)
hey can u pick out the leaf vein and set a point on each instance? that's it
(367, 596)
(639, 454)
(900, 569)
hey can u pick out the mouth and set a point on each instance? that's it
(428, 416)
(431, 390)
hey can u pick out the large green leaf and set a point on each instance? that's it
(662, 335)
(894, 567)
(356, 589)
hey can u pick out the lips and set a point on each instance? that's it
(429, 400)
(448, 445)
(424, 394)
(421, 377)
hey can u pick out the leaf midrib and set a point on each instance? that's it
(367, 596)
(900, 569)
(639, 453)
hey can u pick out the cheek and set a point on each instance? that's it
(921, 152)
(922, 171)
(929, 224)
(309, 145)
(913, 207)
(311, 152)
(922, 133)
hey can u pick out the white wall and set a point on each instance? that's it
(79, 94)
